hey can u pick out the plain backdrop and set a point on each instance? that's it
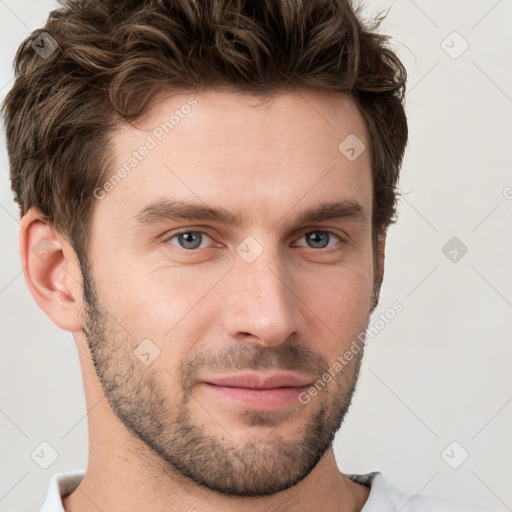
(433, 407)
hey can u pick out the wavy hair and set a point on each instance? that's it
(112, 57)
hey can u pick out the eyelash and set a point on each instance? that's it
(325, 249)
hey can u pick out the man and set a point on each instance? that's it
(205, 190)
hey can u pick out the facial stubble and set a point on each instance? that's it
(259, 464)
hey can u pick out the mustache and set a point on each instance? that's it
(286, 356)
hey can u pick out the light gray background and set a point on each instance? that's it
(439, 372)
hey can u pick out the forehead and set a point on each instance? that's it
(232, 149)
(224, 117)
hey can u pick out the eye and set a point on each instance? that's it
(189, 239)
(319, 239)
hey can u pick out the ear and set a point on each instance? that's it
(51, 271)
(378, 269)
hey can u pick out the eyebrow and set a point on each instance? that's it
(169, 210)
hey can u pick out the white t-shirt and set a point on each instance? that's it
(382, 497)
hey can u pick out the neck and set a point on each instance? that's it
(117, 485)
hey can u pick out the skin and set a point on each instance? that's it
(158, 440)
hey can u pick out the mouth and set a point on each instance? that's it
(258, 391)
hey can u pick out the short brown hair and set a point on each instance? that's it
(114, 56)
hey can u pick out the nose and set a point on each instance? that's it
(261, 304)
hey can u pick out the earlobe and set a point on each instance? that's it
(51, 271)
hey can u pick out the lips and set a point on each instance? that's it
(259, 381)
(256, 391)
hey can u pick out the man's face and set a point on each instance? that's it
(167, 312)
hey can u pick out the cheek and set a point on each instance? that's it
(341, 299)
(164, 305)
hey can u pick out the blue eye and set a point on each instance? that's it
(319, 239)
(190, 239)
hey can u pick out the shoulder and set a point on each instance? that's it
(385, 498)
